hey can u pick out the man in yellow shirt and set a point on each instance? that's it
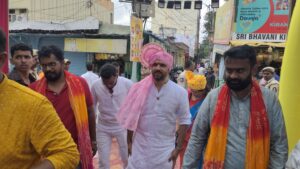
(31, 134)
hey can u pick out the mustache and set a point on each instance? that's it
(157, 71)
(49, 72)
(234, 80)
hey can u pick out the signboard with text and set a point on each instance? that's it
(136, 38)
(112, 46)
(224, 20)
(262, 20)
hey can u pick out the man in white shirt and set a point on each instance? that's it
(271, 83)
(150, 112)
(181, 80)
(109, 93)
(90, 76)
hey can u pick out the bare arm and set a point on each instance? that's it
(129, 141)
(181, 135)
(92, 128)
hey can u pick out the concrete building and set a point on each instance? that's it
(181, 24)
(60, 10)
(92, 42)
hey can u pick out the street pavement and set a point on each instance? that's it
(115, 159)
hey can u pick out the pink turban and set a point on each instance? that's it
(133, 105)
(152, 52)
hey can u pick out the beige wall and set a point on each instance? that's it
(181, 58)
(184, 20)
(65, 10)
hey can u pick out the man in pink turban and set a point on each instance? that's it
(150, 111)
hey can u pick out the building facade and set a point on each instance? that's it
(260, 24)
(178, 23)
(60, 10)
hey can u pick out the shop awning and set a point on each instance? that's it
(250, 43)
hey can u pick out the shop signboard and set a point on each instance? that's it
(112, 46)
(136, 38)
(261, 20)
(224, 18)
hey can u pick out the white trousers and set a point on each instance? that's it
(104, 141)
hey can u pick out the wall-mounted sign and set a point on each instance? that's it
(115, 46)
(262, 20)
(136, 38)
(224, 20)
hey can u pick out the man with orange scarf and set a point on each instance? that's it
(71, 97)
(239, 124)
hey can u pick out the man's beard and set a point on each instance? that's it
(238, 84)
(158, 76)
(52, 76)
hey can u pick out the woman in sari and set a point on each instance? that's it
(197, 93)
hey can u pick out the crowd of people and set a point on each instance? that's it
(49, 121)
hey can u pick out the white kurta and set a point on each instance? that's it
(154, 138)
(90, 78)
(109, 104)
(107, 126)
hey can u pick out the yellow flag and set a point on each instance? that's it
(289, 93)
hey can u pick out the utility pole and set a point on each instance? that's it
(90, 7)
(162, 31)
(197, 46)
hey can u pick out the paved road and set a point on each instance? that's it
(115, 160)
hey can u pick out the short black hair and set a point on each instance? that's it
(89, 66)
(188, 64)
(116, 64)
(46, 51)
(107, 71)
(20, 46)
(242, 52)
(2, 41)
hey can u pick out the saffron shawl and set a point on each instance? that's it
(258, 133)
(78, 104)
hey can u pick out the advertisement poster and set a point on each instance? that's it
(224, 19)
(262, 20)
(136, 38)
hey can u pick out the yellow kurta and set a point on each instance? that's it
(30, 129)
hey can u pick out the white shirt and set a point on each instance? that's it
(181, 81)
(201, 71)
(108, 103)
(154, 138)
(294, 159)
(90, 78)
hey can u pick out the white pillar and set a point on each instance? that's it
(134, 72)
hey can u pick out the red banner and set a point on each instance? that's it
(4, 27)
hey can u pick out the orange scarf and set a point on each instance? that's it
(77, 100)
(258, 134)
